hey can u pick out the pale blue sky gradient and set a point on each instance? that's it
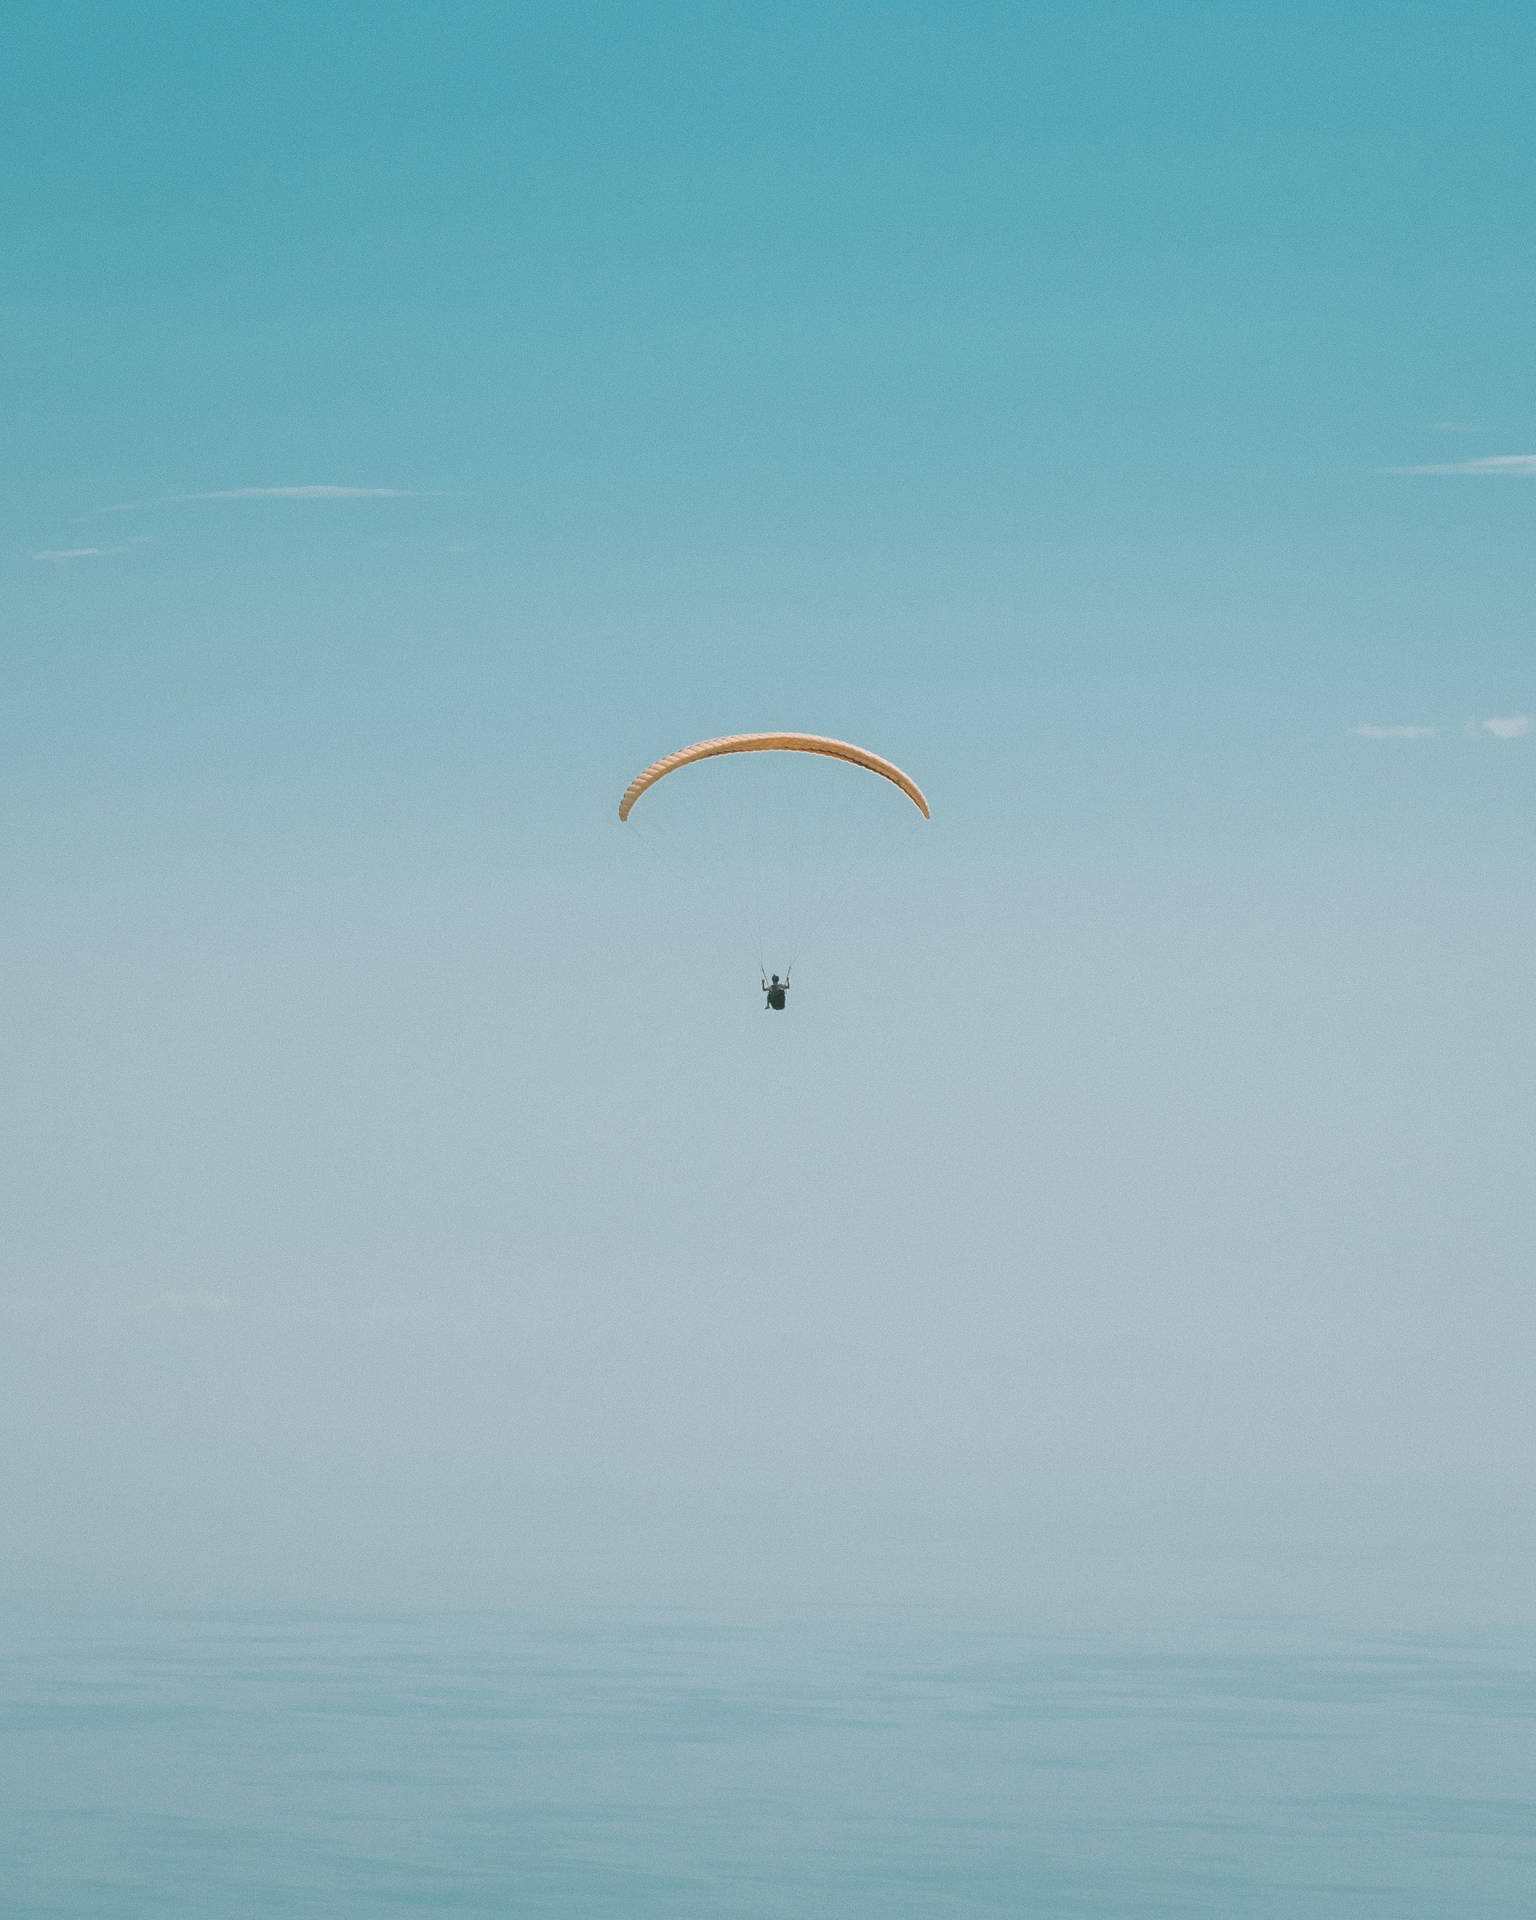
(1024, 390)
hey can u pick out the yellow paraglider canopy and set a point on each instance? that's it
(772, 743)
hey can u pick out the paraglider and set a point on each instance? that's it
(771, 743)
(775, 989)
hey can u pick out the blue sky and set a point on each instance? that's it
(421, 418)
(1003, 341)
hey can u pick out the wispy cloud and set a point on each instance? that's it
(285, 493)
(1512, 466)
(89, 553)
(1507, 726)
(311, 493)
(1369, 732)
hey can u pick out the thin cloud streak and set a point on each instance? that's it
(1509, 726)
(284, 493)
(87, 553)
(1511, 466)
(312, 493)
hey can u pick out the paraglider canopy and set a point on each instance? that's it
(772, 743)
(780, 841)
